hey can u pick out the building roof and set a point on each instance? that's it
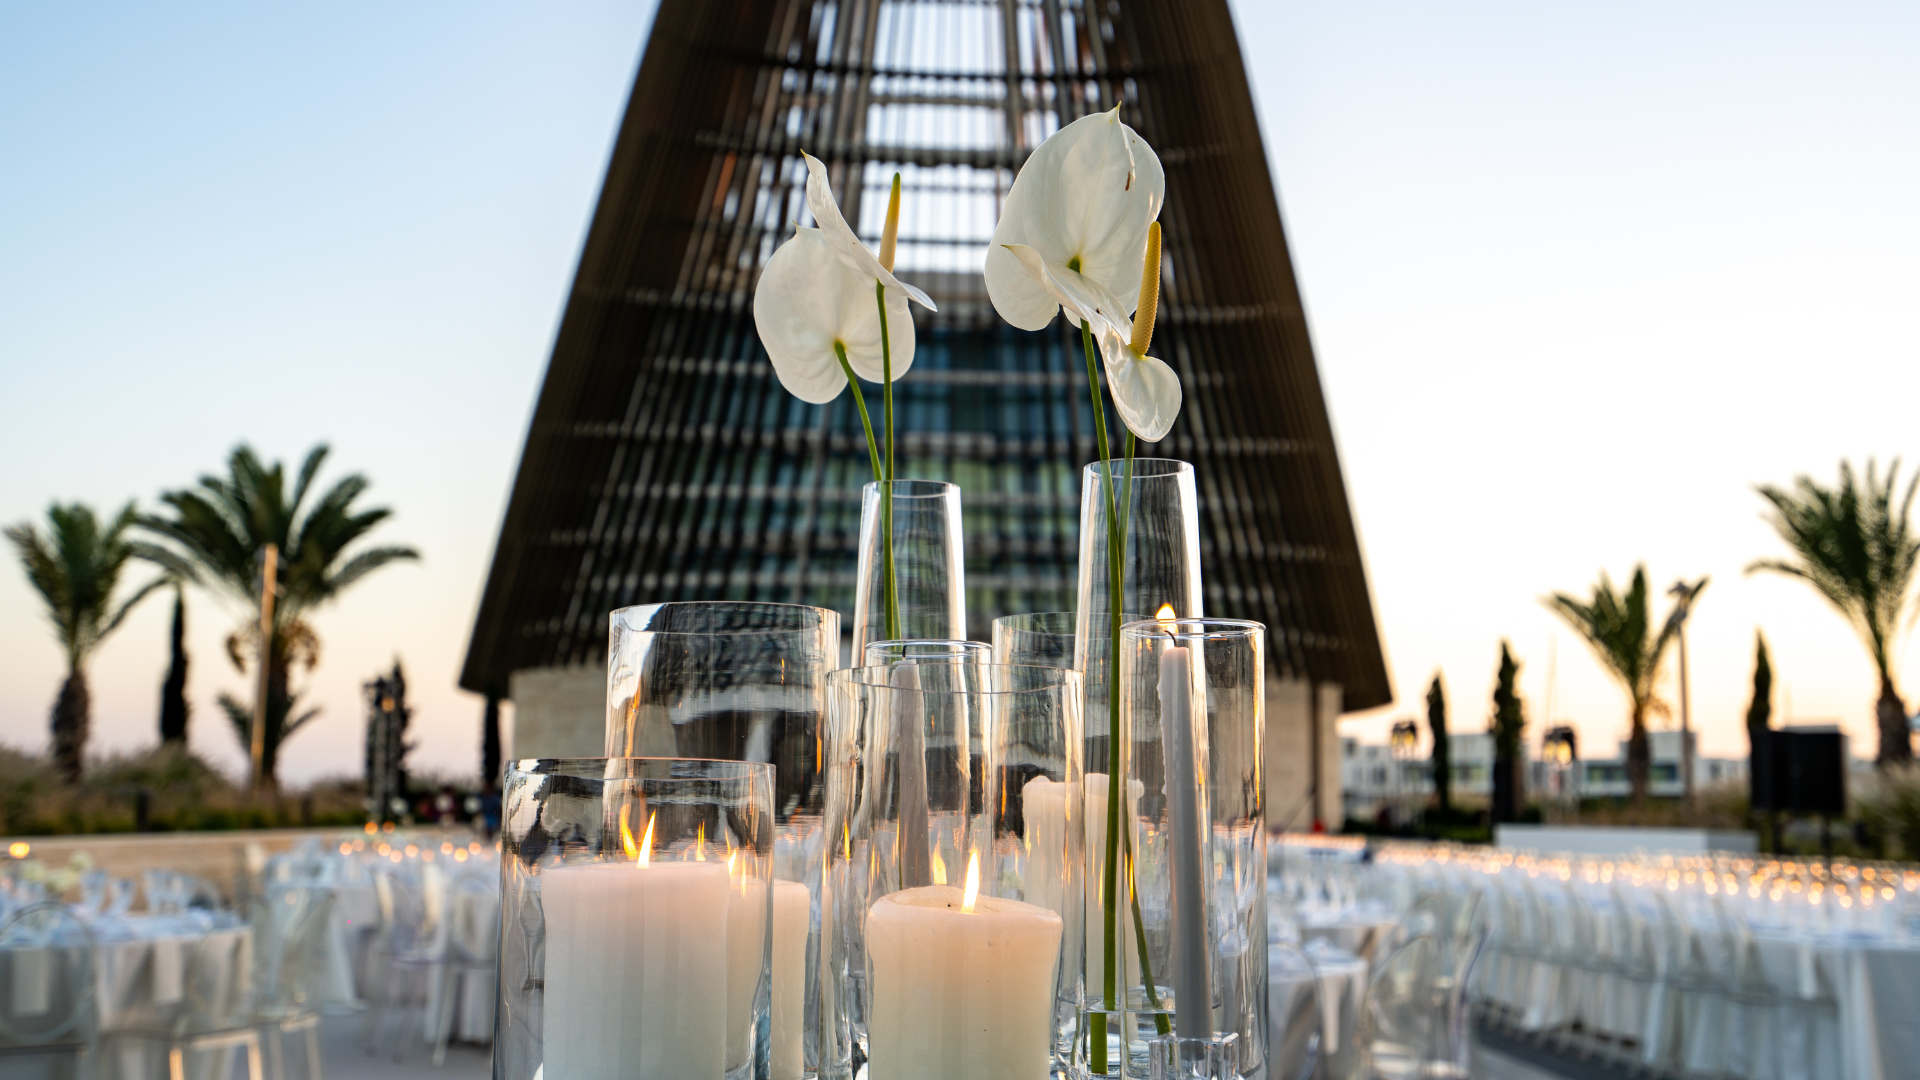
(664, 462)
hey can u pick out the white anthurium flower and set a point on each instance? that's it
(1145, 390)
(840, 238)
(1083, 201)
(808, 299)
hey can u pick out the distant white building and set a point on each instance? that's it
(1372, 779)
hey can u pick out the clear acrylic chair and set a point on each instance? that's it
(212, 1016)
(290, 928)
(48, 1004)
(1296, 1023)
(1399, 1025)
(413, 950)
(473, 943)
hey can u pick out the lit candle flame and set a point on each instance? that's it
(1165, 614)
(973, 883)
(939, 869)
(700, 844)
(642, 851)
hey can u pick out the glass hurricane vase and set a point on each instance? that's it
(637, 896)
(1191, 696)
(959, 880)
(739, 681)
(926, 561)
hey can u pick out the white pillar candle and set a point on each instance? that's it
(1192, 990)
(636, 971)
(1043, 812)
(1127, 953)
(746, 948)
(960, 994)
(791, 917)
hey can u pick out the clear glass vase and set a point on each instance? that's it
(934, 651)
(959, 883)
(636, 896)
(928, 564)
(738, 681)
(1042, 639)
(1156, 549)
(1191, 696)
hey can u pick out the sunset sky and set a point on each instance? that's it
(1578, 278)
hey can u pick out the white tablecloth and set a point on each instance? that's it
(1341, 980)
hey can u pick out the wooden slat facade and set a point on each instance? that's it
(665, 462)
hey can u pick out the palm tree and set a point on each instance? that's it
(217, 535)
(75, 566)
(1856, 546)
(1621, 632)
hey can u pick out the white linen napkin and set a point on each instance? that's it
(32, 981)
(167, 962)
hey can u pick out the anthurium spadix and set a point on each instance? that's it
(1082, 202)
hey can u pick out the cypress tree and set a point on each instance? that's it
(1759, 722)
(173, 692)
(1442, 753)
(1760, 710)
(1509, 726)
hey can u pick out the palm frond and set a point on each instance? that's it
(1854, 543)
(366, 562)
(126, 605)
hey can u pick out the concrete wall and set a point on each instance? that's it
(1295, 708)
(559, 712)
(1609, 840)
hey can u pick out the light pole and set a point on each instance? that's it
(1560, 747)
(1404, 745)
(1683, 595)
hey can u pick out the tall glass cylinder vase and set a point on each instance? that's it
(636, 900)
(925, 558)
(1191, 702)
(960, 874)
(740, 681)
(1139, 551)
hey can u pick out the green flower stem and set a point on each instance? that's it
(890, 591)
(873, 448)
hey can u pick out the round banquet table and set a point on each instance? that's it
(139, 974)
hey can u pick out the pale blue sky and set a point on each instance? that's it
(1578, 275)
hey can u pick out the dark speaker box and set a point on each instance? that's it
(1800, 772)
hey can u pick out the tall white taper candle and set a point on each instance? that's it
(1192, 990)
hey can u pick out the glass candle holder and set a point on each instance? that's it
(933, 650)
(928, 563)
(740, 681)
(1191, 696)
(958, 884)
(1040, 639)
(637, 899)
